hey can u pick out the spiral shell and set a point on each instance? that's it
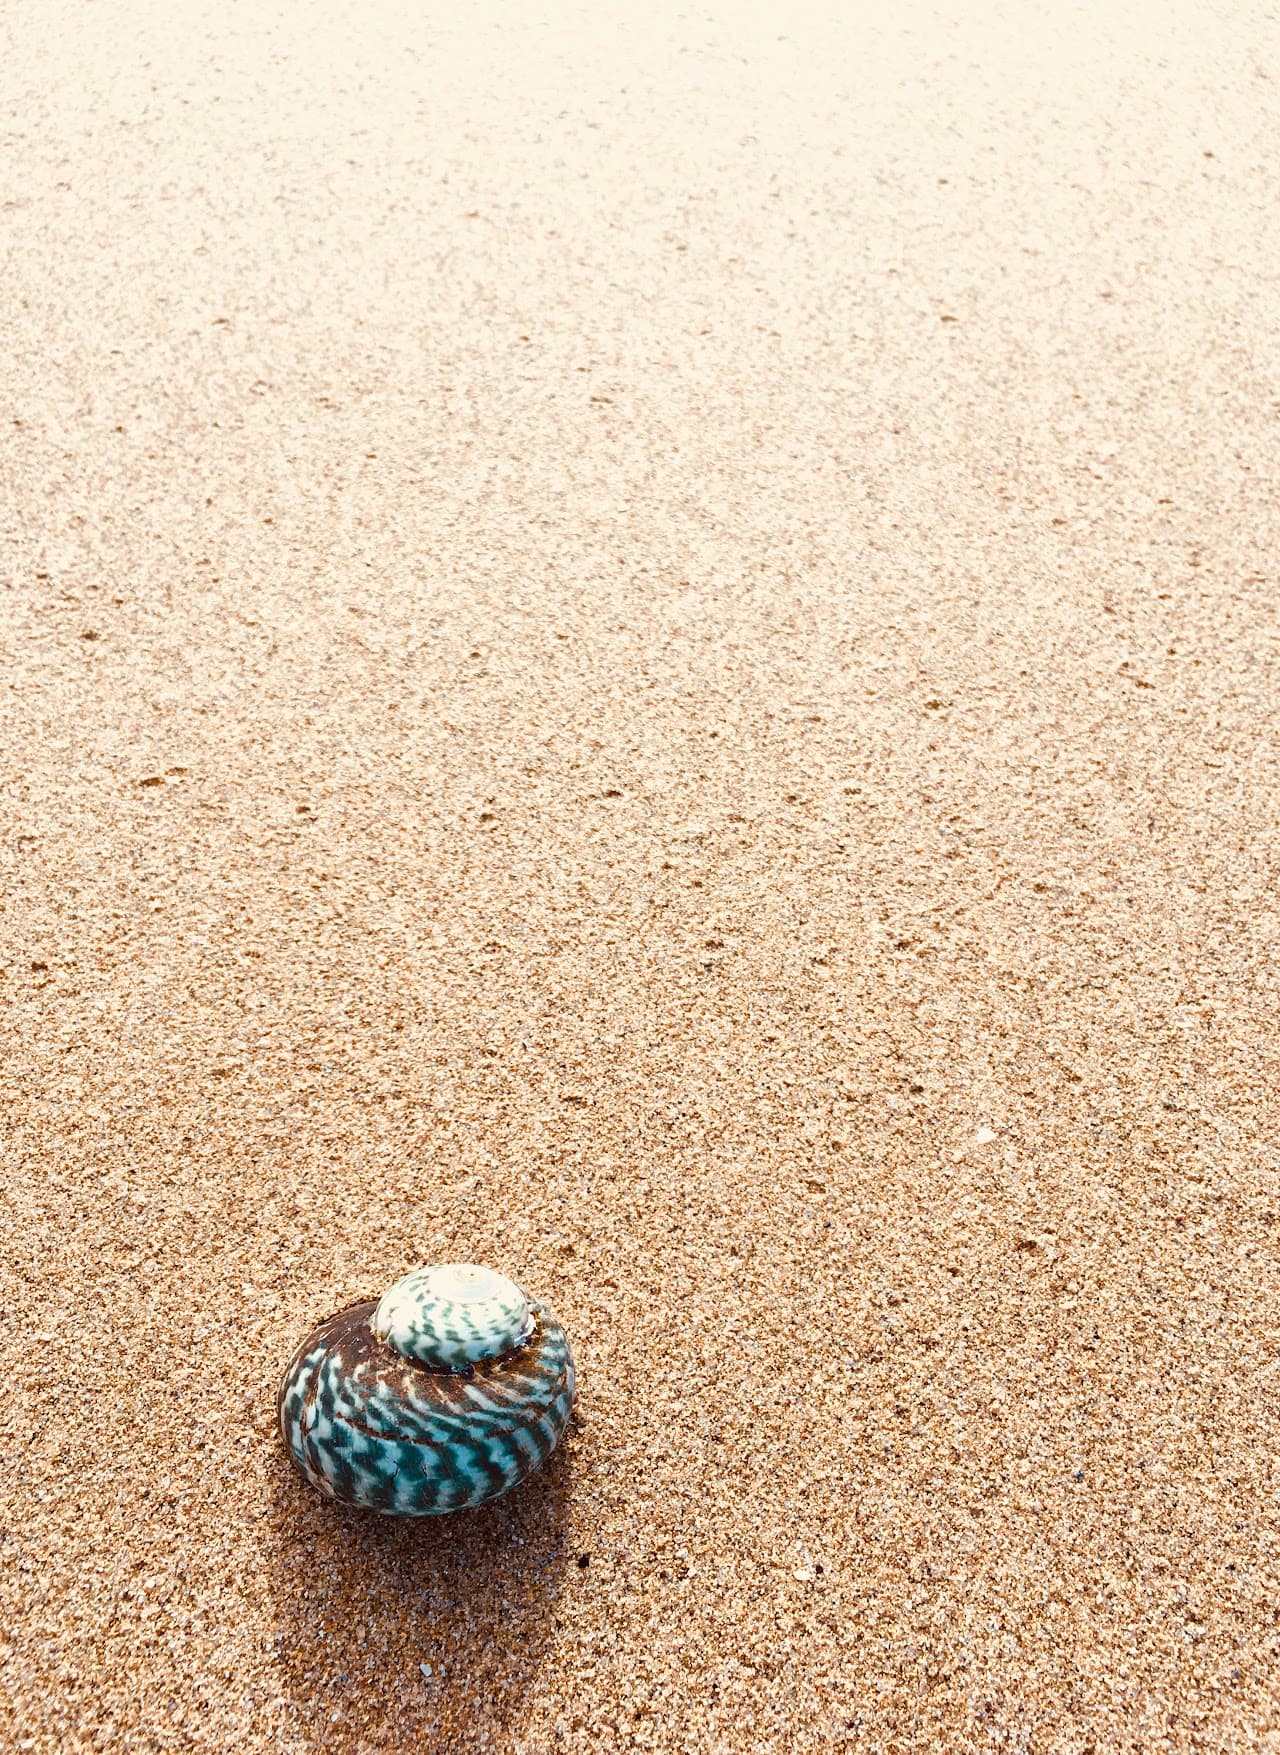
(444, 1393)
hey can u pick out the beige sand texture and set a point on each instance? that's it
(640, 644)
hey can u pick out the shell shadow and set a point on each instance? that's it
(362, 1602)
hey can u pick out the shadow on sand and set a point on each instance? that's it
(363, 1602)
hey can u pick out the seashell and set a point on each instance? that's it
(444, 1393)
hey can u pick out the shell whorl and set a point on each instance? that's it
(374, 1425)
(453, 1317)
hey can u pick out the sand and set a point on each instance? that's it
(640, 644)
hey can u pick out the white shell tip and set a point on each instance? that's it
(453, 1316)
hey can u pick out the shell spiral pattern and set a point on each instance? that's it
(453, 1316)
(371, 1427)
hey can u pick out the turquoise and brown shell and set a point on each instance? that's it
(443, 1394)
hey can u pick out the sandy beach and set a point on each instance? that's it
(639, 644)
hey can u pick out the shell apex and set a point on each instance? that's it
(454, 1316)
